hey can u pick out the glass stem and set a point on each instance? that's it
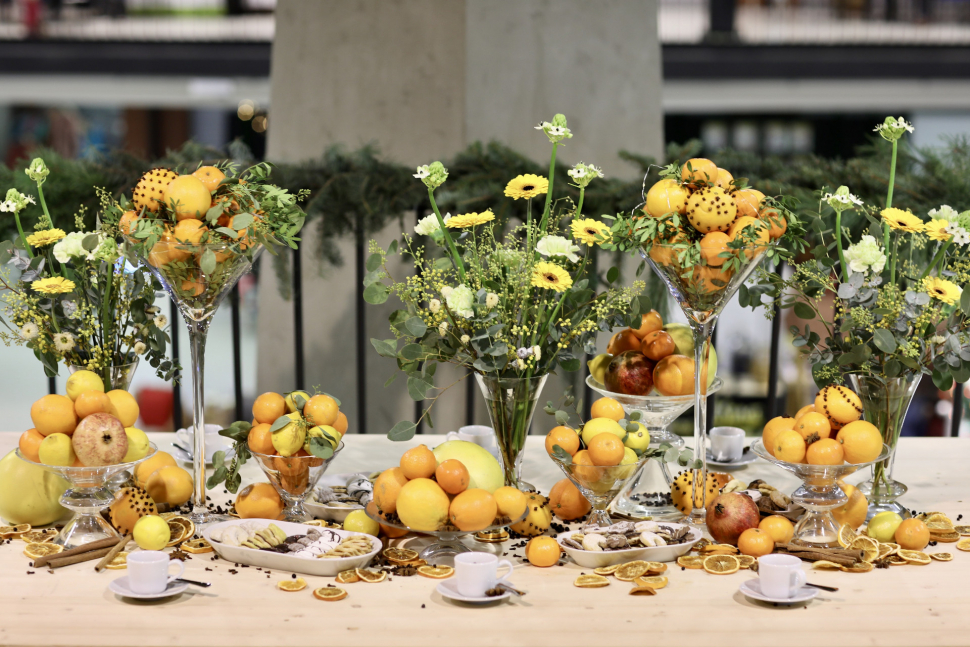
(197, 334)
(702, 333)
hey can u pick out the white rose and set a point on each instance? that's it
(70, 247)
(558, 246)
(428, 225)
(460, 301)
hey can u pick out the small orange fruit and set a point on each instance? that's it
(54, 414)
(259, 501)
(567, 502)
(607, 408)
(771, 430)
(321, 410)
(724, 179)
(912, 534)
(827, 451)
(749, 202)
(452, 476)
(543, 551)
(391, 532)
(511, 501)
(187, 197)
(268, 407)
(148, 466)
(861, 441)
(386, 489)
(808, 408)
(171, 485)
(778, 527)
(622, 341)
(261, 439)
(419, 463)
(648, 323)
(29, 444)
(92, 402)
(565, 438)
(853, 512)
(755, 542)
(210, 176)
(586, 471)
(789, 446)
(190, 231)
(606, 450)
(341, 423)
(657, 345)
(473, 509)
(699, 171)
(713, 244)
(813, 424)
(127, 222)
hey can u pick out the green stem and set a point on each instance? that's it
(552, 172)
(43, 204)
(838, 245)
(106, 320)
(892, 261)
(579, 206)
(937, 258)
(889, 194)
(16, 217)
(459, 266)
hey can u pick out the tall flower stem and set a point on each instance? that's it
(106, 320)
(889, 194)
(838, 245)
(936, 259)
(579, 205)
(552, 173)
(43, 203)
(23, 238)
(892, 262)
(444, 231)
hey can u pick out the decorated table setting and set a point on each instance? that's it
(289, 528)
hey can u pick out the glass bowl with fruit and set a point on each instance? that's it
(294, 478)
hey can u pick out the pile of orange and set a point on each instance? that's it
(314, 414)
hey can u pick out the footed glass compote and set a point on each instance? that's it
(87, 495)
(819, 494)
(647, 494)
(294, 477)
(702, 286)
(198, 277)
(599, 484)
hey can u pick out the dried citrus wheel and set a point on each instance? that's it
(400, 555)
(868, 546)
(38, 536)
(722, 564)
(41, 549)
(371, 576)
(436, 572)
(914, 556)
(631, 571)
(606, 570)
(747, 561)
(942, 557)
(347, 577)
(939, 525)
(118, 562)
(690, 561)
(656, 568)
(181, 529)
(719, 549)
(6, 532)
(643, 590)
(964, 544)
(858, 567)
(963, 530)
(197, 546)
(291, 585)
(895, 560)
(591, 581)
(945, 537)
(329, 593)
(938, 520)
(826, 564)
(656, 582)
(846, 535)
(887, 549)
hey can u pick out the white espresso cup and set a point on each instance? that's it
(148, 571)
(481, 435)
(727, 443)
(476, 573)
(781, 575)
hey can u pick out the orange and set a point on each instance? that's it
(808, 408)
(606, 450)
(92, 402)
(543, 551)
(341, 424)
(386, 489)
(54, 414)
(187, 197)
(148, 466)
(649, 323)
(567, 502)
(584, 473)
(473, 509)
(423, 506)
(771, 430)
(789, 446)
(912, 534)
(391, 532)
(30, 444)
(724, 179)
(699, 171)
(813, 424)
(827, 451)
(756, 542)
(565, 438)
(419, 463)
(779, 528)
(853, 512)
(623, 340)
(268, 407)
(128, 221)
(259, 501)
(210, 177)
(260, 439)
(712, 245)
(190, 231)
(452, 476)
(749, 202)
(607, 408)
(777, 225)
(170, 484)
(320, 410)
(861, 441)
(511, 501)
(124, 407)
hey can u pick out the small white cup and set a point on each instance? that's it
(781, 575)
(481, 435)
(148, 571)
(476, 573)
(727, 443)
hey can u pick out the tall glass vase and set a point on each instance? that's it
(115, 376)
(885, 402)
(511, 405)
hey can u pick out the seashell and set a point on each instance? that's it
(651, 539)
(593, 541)
(614, 542)
(646, 526)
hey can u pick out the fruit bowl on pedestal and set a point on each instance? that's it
(599, 484)
(294, 478)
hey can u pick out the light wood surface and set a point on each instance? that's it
(904, 605)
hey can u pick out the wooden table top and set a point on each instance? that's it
(906, 605)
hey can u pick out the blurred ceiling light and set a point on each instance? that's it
(260, 123)
(246, 110)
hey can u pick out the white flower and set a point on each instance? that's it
(29, 331)
(434, 306)
(465, 339)
(428, 225)
(160, 321)
(945, 212)
(445, 291)
(70, 247)
(423, 172)
(842, 200)
(30, 199)
(892, 129)
(8, 207)
(558, 246)
(576, 172)
(521, 364)
(460, 301)
(140, 348)
(555, 130)
(937, 339)
(523, 352)
(537, 352)
(961, 237)
(63, 342)
(865, 255)
(583, 174)
(491, 300)
(442, 328)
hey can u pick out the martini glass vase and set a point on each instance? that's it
(702, 289)
(198, 277)
(511, 405)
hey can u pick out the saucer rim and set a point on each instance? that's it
(756, 594)
(453, 594)
(171, 589)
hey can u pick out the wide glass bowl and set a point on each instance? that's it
(87, 495)
(599, 484)
(294, 478)
(819, 494)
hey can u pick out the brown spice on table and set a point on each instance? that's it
(110, 542)
(59, 562)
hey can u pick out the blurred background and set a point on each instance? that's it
(784, 83)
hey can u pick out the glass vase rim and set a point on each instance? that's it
(909, 374)
(772, 243)
(489, 376)
(716, 385)
(67, 470)
(308, 456)
(75, 367)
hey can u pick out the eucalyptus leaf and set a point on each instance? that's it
(279, 423)
(804, 311)
(562, 417)
(884, 340)
(207, 262)
(403, 430)
(416, 326)
(375, 294)
(385, 348)
(373, 262)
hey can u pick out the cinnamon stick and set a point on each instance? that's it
(93, 545)
(842, 556)
(113, 553)
(77, 558)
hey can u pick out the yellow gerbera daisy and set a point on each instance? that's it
(53, 285)
(45, 238)
(526, 186)
(586, 230)
(901, 220)
(941, 289)
(466, 220)
(936, 229)
(551, 276)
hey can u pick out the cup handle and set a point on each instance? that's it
(172, 578)
(502, 563)
(798, 580)
(451, 435)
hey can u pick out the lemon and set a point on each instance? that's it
(82, 382)
(882, 527)
(289, 440)
(598, 426)
(597, 367)
(358, 521)
(137, 445)
(151, 532)
(629, 457)
(291, 403)
(638, 440)
(57, 449)
(328, 433)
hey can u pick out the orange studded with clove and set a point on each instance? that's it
(148, 192)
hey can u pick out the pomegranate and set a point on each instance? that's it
(630, 373)
(729, 515)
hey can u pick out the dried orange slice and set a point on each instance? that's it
(118, 562)
(963, 530)
(371, 576)
(896, 560)
(436, 572)
(937, 520)
(914, 556)
(721, 564)
(945, 537)
(964, 544)
(606, 570)
(180, 529)
(868, 546)
(846, 535)
(719, 549)
(329, 593)
(38, 536)
(631, 571)
(858, 567)
(826, 564)
(41, 549)
(691, 561)
(656, 568)
(400, 555)
(643, 590)
(6, 532)
(291, 585)
(347, 577)
(591, 581)
(747, 561)
(656, 582)
(197, 546)
(942, 557)
(887, 549)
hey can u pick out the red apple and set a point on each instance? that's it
(100, 439)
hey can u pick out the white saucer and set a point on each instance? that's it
(752, 589)
(449, 589)
(120, 586)
(747, 458)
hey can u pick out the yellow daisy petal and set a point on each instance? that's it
(901, 220)
(936, 229)
(551, 276)
(466, 220)
(586, 230)
(53, 285)
(526, 186)
(941, 289)
(45, 238)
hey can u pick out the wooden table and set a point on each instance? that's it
(905, 605)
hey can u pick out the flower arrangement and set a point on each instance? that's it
(507, 306)
(76, 301)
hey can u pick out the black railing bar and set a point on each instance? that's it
(52, 384)
(176, 320)
(360, 259)
(771, 406)
(470, 399)
(957, 415)
(236, 353)
(298, 348)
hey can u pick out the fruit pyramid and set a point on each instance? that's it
(148, 191)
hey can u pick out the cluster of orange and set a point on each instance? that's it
(318, 411)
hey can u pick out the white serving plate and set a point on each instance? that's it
(597, 558)
(334, 513)
(289, 563)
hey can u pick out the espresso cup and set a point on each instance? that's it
(727, 443)
(481, 435)
(781, 575)
(476, 573)
(148, 571)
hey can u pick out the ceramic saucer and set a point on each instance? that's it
(449, 589)
(120, 586)
(752, 589)
(747, 457)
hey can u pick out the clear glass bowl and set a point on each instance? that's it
(599, 484)
(819, 494)
(87, 494)
(294, 478)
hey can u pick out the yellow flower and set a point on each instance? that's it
(53, 285)
(45, 238)
(941, 289)
(466, 220)
(551, 276)
(936, 229)
(902, 220)
(526, 186)
(586, 230)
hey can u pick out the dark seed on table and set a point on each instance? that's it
(422, 606)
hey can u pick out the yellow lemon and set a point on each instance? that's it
(138, 447)
(638, 440)
(82, 382)
(598, 426)
(292, 403)
(57, 449)
(358, 521)
(629, 457)
(124, 407)
(290, 439)
(151, 532)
